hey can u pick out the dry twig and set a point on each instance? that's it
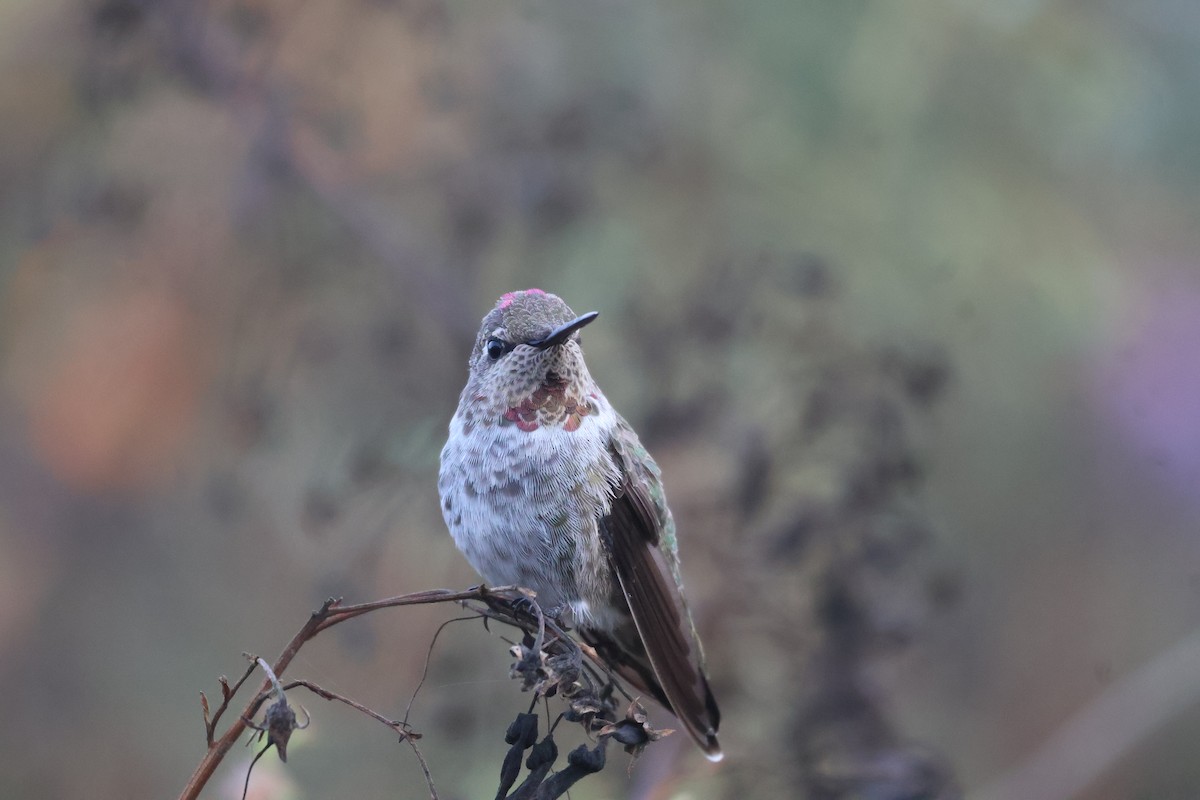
(548, 662)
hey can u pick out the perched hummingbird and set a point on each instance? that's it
(545, 486)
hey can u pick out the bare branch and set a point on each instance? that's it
(429, 658)
(210, 725)
(398, 726)
(548, 662)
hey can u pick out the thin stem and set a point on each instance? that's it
(428, 659)
(397, 726)
(331, 613)
(227, 692)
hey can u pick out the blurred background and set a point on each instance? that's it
(904, 297)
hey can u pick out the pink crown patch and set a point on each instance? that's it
(507, 299)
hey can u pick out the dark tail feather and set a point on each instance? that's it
(661, 645)
(622, 650)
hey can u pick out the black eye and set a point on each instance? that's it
(496, 348)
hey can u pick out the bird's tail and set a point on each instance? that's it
(692, 700)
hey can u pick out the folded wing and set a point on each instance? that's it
(640, 537)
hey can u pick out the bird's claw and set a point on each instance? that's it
(524, 604)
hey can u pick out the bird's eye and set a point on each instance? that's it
(496, 348)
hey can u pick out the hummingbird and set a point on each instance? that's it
(545, 486)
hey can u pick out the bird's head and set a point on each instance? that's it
(527, 365)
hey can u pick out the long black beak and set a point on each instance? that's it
(563, 332)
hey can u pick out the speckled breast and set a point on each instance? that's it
(523, 498)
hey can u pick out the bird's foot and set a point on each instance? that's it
(526, 604)
(562, 615)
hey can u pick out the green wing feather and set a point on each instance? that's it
(640, 535)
